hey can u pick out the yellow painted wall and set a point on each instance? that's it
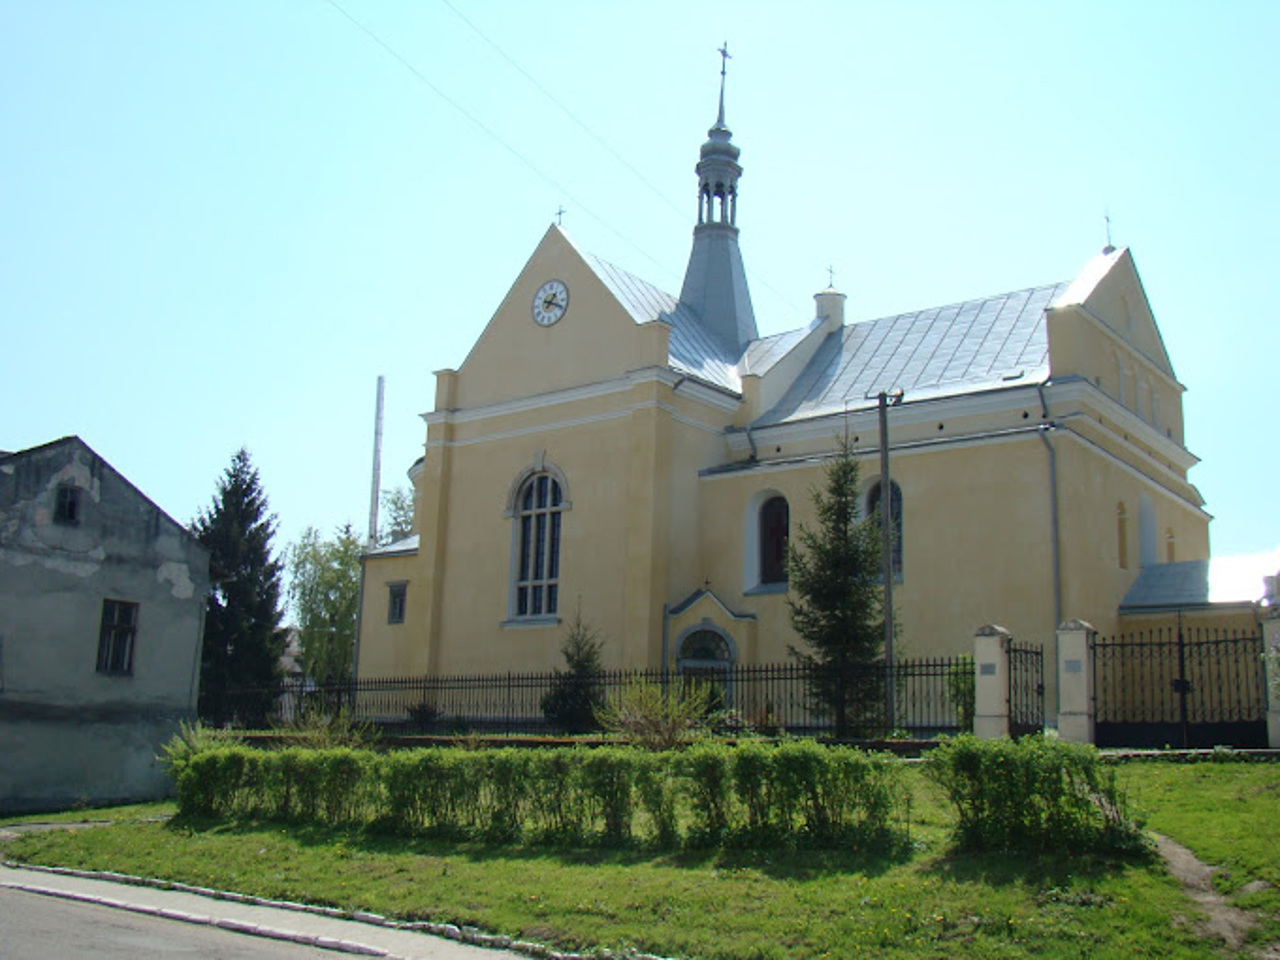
(663, 495)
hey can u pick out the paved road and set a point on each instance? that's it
(36, 927)
(92, 915)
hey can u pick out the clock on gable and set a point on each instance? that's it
(550, 303)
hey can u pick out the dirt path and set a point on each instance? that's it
(1223, 921)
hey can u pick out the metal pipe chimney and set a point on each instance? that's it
(376, 493)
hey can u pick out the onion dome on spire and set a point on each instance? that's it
(715, 282)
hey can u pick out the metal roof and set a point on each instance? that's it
(407, 544)
(762, 354)
(961, 348)
(1162, 586)
(691, 350)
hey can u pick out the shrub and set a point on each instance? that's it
(706, 768)
(657, 716)
(504, 782)
(1033, 795)
(608, 776)
(753, 783)
(319, 727)
(557, 802)
(656, 787)
(191, 739)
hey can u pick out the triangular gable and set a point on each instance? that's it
(596, 339)
(87, 468)
(1110, 290)
(706, 604)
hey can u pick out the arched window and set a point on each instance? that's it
(895, 518)
(1122, 535)
(774, 522)
(1146, 531)
(539, 506)
(1170, 544)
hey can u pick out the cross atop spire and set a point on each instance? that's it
(725, 56)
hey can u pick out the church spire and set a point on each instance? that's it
(725, 56)
(715, 283)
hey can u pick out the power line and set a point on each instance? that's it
(604, 145)
(492, 134)
(545, 177)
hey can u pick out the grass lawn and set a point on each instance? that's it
(921, 901)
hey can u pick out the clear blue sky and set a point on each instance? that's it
(220, 221)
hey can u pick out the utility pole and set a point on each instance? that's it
(886, 399)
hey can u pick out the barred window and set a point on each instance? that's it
(116, 639)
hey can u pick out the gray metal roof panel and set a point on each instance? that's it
(692, 350)
(1166, 585)
(761, 355)
(955, 349)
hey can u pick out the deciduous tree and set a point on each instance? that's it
(397, 522)
(324, 587)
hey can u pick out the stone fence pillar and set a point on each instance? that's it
(1271, 659)
(991, 682)
(1075, 681)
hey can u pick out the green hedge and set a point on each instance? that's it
(797, 793)
(1034, 794)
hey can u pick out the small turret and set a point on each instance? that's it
(715, 282)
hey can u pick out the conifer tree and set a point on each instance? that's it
(836, 597)
(242, 636)
(576, 696)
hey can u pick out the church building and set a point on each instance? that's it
(610, 448)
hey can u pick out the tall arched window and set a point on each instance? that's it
(537, 563)
(1122, 535)
(895, 518)
(775, 517)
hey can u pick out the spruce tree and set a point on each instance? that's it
(240, 662)
(576, 696)
(836, 598)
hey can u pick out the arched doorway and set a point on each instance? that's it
(707, 654)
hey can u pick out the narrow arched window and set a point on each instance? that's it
(895, 519)
(775, 517)
(1170, 542)
(537, 581)
(1122, 535)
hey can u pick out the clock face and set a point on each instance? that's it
(550, 303)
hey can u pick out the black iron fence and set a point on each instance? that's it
(1182, 687)
(932, 696)
(1026, 690)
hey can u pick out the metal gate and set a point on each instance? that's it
(1182, 688)
(1026, 690)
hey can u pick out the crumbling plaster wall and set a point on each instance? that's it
(68, 732)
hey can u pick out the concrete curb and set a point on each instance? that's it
(468, 935)
(252, 929)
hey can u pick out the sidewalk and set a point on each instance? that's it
(362, 934)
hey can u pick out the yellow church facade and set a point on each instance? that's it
(643, 458)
